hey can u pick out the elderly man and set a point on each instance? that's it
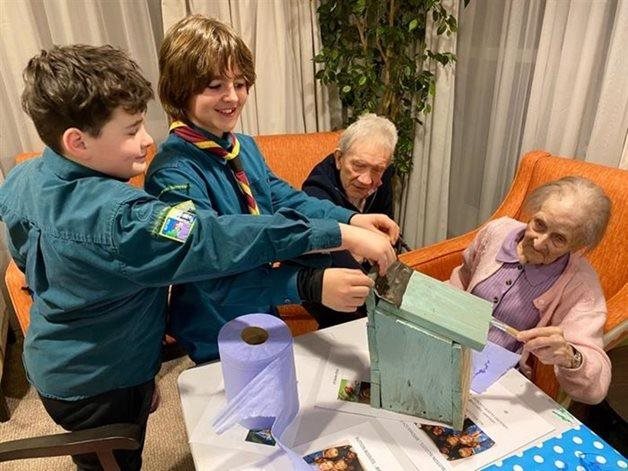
(357, 176)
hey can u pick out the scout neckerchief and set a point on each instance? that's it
(232, 157)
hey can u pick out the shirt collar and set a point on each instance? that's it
(223, 141)
(68, 169)
(508, 251)
(536, 274)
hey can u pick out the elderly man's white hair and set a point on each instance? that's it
(372, 128)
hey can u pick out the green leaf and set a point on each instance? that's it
(389, 73)
(359, 6)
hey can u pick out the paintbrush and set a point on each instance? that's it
(504, 327)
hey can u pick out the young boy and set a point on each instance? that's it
(206, 71)
(98, 253)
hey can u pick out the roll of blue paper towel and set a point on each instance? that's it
(256, 350)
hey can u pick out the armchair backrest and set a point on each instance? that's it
(292, 156)
(610, 257)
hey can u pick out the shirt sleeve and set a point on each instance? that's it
(174, 185)
(283, 195)
(157, 244)
(316, 190)
(271, 286)
(583, 327)
(461, 275)
(386, 188)
(267, 285)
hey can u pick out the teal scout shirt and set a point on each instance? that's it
(98, 253)
(182, 171)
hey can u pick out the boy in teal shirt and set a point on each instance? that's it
(99, 254)
(206, 71)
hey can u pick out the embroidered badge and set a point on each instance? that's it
(178, 224)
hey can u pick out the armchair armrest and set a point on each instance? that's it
(297, 319)
(19, 294)
(100, 440)
(438, 260)
(616, 327)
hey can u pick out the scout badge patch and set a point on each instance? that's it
(178, 222)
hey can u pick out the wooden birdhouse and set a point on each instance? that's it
(420, 331)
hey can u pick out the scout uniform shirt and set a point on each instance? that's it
(181, 171)
(98, 253)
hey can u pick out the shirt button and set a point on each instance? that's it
(508, 282)
(519, 267)
(287, 301)
(495, 299)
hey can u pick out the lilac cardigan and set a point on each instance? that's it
(575, 303)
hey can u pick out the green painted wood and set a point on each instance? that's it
(445, 310)
(461, 382)
(419, 371)
(373, 352)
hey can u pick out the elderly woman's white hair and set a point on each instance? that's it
(594, 206)
(369, 126)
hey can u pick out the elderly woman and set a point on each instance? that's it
(356, 176)
(539, 283)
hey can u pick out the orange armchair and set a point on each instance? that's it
(609, 258)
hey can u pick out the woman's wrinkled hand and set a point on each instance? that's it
(548, 344)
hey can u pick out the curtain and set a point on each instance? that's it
(579, 97)
(497, 43)
(531, 75)
(27, 26)
(283, 37)
(424, 204)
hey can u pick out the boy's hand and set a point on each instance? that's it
(378, 223)
(548, 344)
(344, 289)
(373, 246)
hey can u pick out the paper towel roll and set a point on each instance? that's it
(247, 345)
